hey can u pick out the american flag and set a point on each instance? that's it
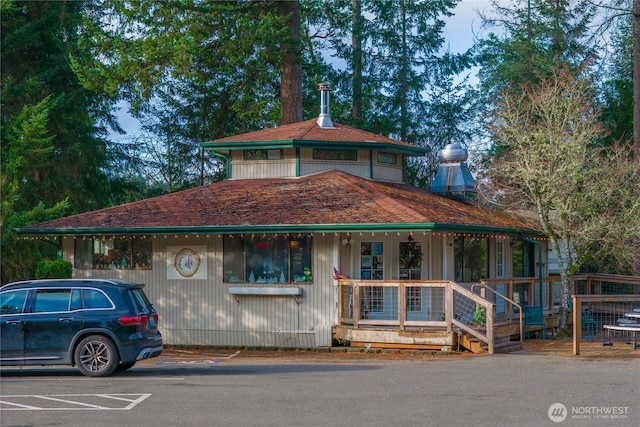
(337, 275)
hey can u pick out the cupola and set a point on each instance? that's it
(453, 178)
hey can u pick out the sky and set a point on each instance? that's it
(460, 29)
(458, 33)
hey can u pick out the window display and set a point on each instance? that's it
(267, 259)
(124, 253)
(371, 261)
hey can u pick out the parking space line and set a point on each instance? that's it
(29, 402)
(132, 403)
(72, 402)
(2, 402)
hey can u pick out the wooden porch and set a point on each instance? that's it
(492, 316)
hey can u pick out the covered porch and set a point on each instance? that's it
(491, 316)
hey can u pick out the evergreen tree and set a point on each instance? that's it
(530, 38)
(617, 88)
(37, 39)
(399, 76)
(52, 155)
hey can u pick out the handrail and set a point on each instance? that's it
(488, 337)
(512, 302)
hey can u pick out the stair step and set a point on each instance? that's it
(501, 344)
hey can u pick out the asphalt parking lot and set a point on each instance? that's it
(198, 387)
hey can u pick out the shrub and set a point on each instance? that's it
(53, 269)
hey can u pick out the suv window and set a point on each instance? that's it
(93, 298)
(13, 302)
(141, 300)
(51, 300)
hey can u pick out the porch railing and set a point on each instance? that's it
(547, 292)
(418, 305)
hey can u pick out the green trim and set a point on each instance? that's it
(298, 143)
(284, 228)
(227, 162)
(297, 162)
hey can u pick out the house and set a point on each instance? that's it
(251, 260)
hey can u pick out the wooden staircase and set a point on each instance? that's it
(502, 343)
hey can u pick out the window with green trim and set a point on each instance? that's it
(471, 258)
(388, 158)
(277, 259)
(323, 154)
(273, 154)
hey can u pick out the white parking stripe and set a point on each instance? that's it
(2, 402)
(69, 402)
(72, 402)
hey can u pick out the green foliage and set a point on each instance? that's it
(480, 316)
(53, 269)
(51, 156)
(40, 92)
(617, 88)
(531, 39)
(399, 83)
(552, 169)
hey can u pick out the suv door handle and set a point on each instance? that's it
(65, 319)
(13, 322)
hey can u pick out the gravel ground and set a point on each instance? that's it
(559, 347)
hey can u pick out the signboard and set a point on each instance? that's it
(186, 262)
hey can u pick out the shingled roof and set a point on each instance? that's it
(329, 201)
(310, 134)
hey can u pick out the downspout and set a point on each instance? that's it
(227, 162)
(370, 164)
(539, 245)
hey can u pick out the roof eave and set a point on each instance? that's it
(299, 143)
(281, 228)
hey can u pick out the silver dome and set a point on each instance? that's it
(453, 153)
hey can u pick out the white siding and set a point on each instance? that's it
(263, 169)
(383, 172)
(359, 167)
(202, 312)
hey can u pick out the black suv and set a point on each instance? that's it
(97, 325)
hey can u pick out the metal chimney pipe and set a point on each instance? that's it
(324, 119)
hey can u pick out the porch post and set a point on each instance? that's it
(402, 304)
(449, 308)
(356, 304)
(577, 328)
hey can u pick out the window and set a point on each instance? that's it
(319, 154)
(521, 294)
(371, 261)
(13, 302)
(93, 298)
(52, 300)
(499, 259)
(471, 261)
(275, 154)
(267, 259)
(389, 158)
(522, 258)
(123, 253)
(410, 260)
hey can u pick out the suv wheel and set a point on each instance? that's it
(96, 356)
